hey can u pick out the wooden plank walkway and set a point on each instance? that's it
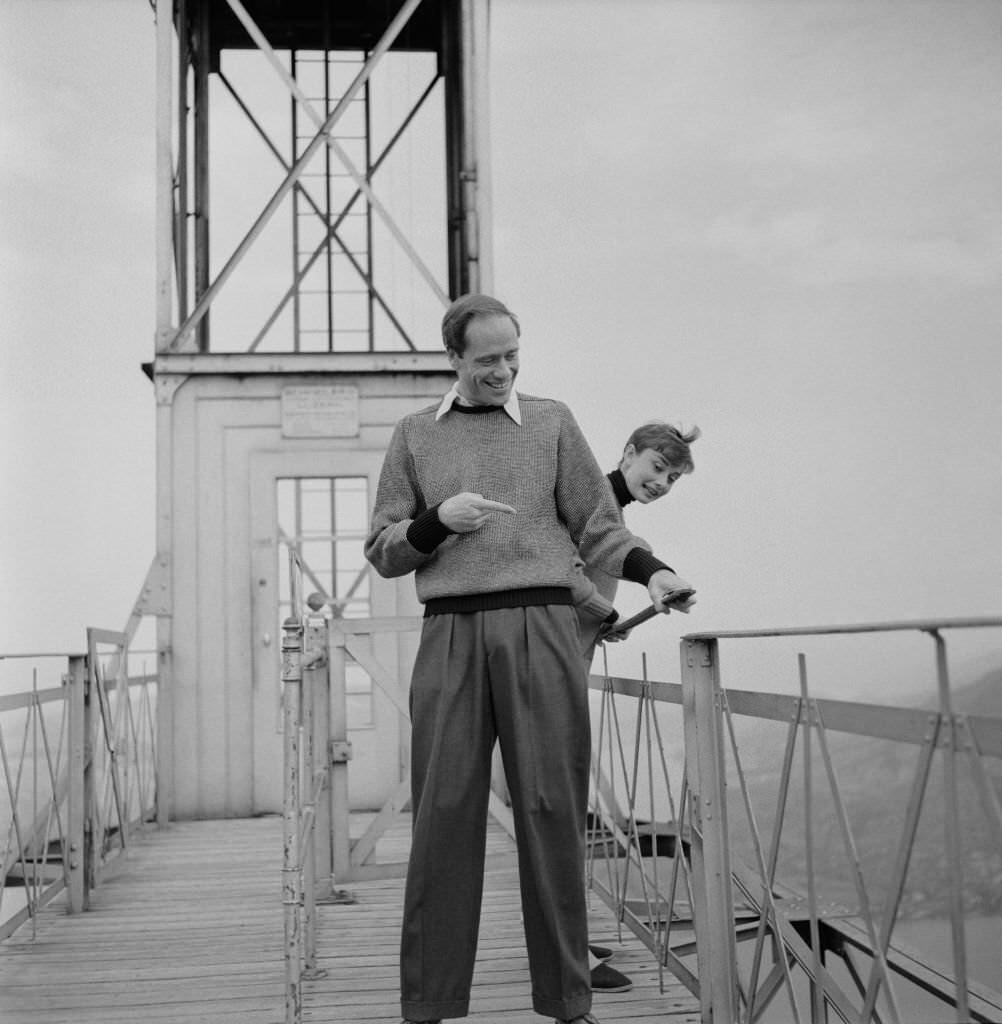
(190, 930)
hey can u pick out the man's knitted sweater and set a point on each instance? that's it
(543, 468)
(595, 590)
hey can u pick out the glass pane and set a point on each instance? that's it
(325, 519)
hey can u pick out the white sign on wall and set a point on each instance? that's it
(329, 410)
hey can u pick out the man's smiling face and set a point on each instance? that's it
(489, 364)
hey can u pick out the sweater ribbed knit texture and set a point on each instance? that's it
(543, 468)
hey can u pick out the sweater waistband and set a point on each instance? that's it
(525, 597)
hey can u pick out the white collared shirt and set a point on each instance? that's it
(453, 395)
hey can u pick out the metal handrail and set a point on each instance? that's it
(898, 626)
(66, 753)
(728, 900)
(713, 895)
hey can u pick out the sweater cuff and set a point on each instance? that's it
(640, 565)
(598, 607)
(427, 531)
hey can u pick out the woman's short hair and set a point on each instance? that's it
(671, 441)
(465, 309)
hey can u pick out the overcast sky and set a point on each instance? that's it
(779, 221)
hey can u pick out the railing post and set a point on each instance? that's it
(314, 654)
(337, 759)
(320, 679)
(73, 855)
(123, 745)
(91, 823)
(713, 902)
(164, 722)
(292, 676)
(951, 824)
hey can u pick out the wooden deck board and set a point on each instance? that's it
(190, 930)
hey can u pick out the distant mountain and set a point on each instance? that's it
(876, 780)
(983, 696)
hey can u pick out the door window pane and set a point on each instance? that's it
(325, 520)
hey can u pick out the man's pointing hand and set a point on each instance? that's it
(466, 512)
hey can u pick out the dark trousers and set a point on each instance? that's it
(513, 675)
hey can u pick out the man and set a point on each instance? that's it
(485, 498)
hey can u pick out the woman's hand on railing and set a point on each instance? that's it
(670, 592)
(681, 600)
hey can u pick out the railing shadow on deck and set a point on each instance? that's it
(690, 842)
(78, 773)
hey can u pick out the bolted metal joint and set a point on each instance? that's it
(339, 752)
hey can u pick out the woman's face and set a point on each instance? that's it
(648, 474)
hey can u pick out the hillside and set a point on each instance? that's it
(876, 780)
(983, 696)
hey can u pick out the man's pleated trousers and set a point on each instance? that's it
(514, 675)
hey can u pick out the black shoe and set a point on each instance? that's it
(607, 979)
(602, 953)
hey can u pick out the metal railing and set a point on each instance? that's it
(756, 861)
(305, 776)
(78, 763)
(711, 835)
(319, 852)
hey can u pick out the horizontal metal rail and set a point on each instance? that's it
(901, 626)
